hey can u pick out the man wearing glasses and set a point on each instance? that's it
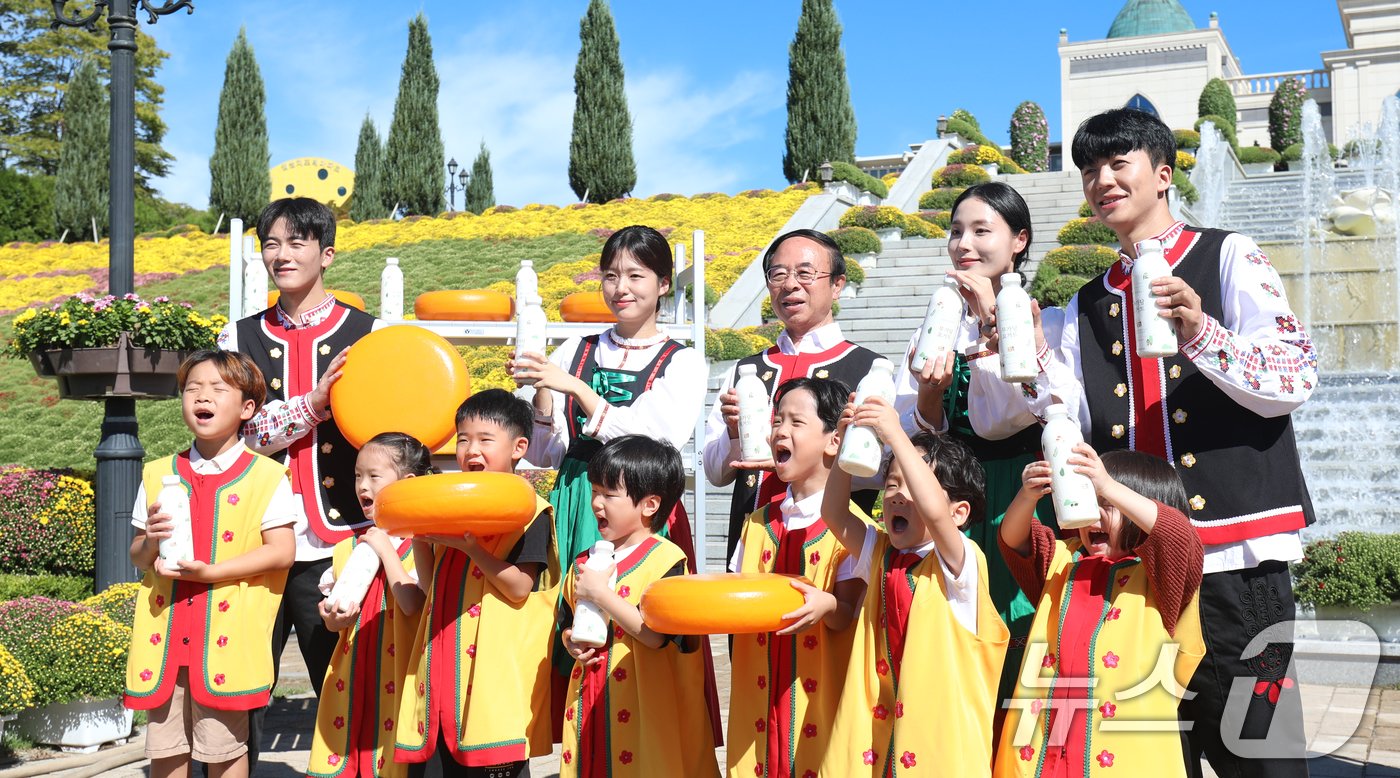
(806, 273)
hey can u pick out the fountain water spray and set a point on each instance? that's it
(1388, 178)
(1318, 190)
(1211, 160)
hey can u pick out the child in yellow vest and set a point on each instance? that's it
(476, 696)
(637, 704)
(1117, 632)
(785, 685)
(921, 687)
(201, 642)
(358, 712)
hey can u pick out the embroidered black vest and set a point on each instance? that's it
(1241, 470)
(845, 362)
(618, 387)
(293, 361)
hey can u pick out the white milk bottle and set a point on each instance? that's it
(861, 451)
(391, 291)
(590, 622)
(1076, 503)
(175, 501)
(527, 283)
(530, 325)
(755, 415)
(940, 329)
(1156, 337)
(1016, 331)
(353, 583)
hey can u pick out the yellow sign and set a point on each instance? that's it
(319, 179)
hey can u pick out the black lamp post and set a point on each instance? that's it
(119, 452)
(452, 184)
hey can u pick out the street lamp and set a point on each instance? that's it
(452, 184)
(119, 451)
(825, 173)
(942, 126)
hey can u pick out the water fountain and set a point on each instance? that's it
(1211, 159)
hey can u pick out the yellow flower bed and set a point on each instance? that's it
(16, 690)
(17, 294)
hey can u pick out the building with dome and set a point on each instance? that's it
(1156, 59)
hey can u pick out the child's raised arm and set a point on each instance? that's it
(407, 595)
(1015, 530)
(1140, 510)
(836, 499)
(592, 585)
(514, 581)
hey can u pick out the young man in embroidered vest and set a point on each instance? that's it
(201, 645)
(356, 715)
(476, 696)
(299, 345)
(806, 272)
(786, 684)
(928, 600)
(1117, 632)
(636, 706)
(1218, 411)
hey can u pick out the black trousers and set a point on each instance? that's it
(442, 765)
(1236, 606)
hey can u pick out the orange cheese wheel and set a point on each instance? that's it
(464, 305)
(585, 307)
(400, 379)
(720, 603)
(453, 503)
(349, 298)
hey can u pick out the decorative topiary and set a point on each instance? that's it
(855, 274)
(1286, 113)
(1217, 100)
(1250, 155)
(1007, 166)
(1187, 139)
(959, 175)
(1081, 260)
(1084, 231)
(117, 601)
(845, 171)
(975, 155)
(16, 690)
(1185, 188)
(968, 132)
(944, 219)
(1227, 130)
(917, 227)
(964, 115)
(856, 240)
(1184, 161)
(1030, 138)
(873, 217)
(1058, 291)
(940, 199)
(1085, 210)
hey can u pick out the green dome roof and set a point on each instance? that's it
(1150, 17)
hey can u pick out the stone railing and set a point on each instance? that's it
(1267, 83)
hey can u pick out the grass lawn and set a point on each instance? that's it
(40, 431)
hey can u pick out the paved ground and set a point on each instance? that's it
(1364, 721)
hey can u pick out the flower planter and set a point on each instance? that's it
(887, 234)
(992, 170)
(1257, 168)
(865, 259)
(121, 370)
(79, 726)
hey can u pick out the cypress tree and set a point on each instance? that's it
(367, 202)
(239, 181)
(481, 194)
(413, 157)
(821, 124)
(81, 188)
(600, 151)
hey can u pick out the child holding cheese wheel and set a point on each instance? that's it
(476, 695)
(786, 684)
(637, 704)
(920, 691)
(367, 669)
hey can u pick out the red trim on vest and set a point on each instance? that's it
(789, 366)
(898, 601)
(1283, 520)
(782, 649)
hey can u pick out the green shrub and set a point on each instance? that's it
(117, 602)
(57, 587)
(855, 274)
(845, 171)
(1045, 272)
(1294, 153)
(1051, 288)
(1357, 146)
(1185, 188)
(959, 175)
(944, 219)
(28, 626)
(975, 155)
(1226, 130)
(856, 240)
(1030, 138)
(873, 217)
(964, 115)
(1184, 161)
(1217, 100)
(915, 226)
(1085, 210)
(1008, 167)
(1085, 260)
(725, 344)
(940, 199)
(1187, 139)
(1250, 155)
(1356, 569)
(26, 207)
(16, 691)
(1286, 113)
(968, 132)
(1090, 230)
(46, 522)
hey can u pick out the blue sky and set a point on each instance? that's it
(706, 81)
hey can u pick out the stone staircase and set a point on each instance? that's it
(891, 302)
(1269, 207)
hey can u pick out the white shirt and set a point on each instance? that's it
(283, 509)
(961, 588)
(667, 411)
(799, 515)
(1252, 307)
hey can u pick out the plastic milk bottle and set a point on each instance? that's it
(1156, 337)
(1017, 331)
(861, 451)
(1076, 503)
(352, 585)
(175, 501)
(940, 330)
(590, 622)
(755, 415)
(530, 324)
(391, 291)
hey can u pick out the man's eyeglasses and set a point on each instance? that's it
(777, 276)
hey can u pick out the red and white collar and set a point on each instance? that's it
(1167, 237)
(308, 319)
